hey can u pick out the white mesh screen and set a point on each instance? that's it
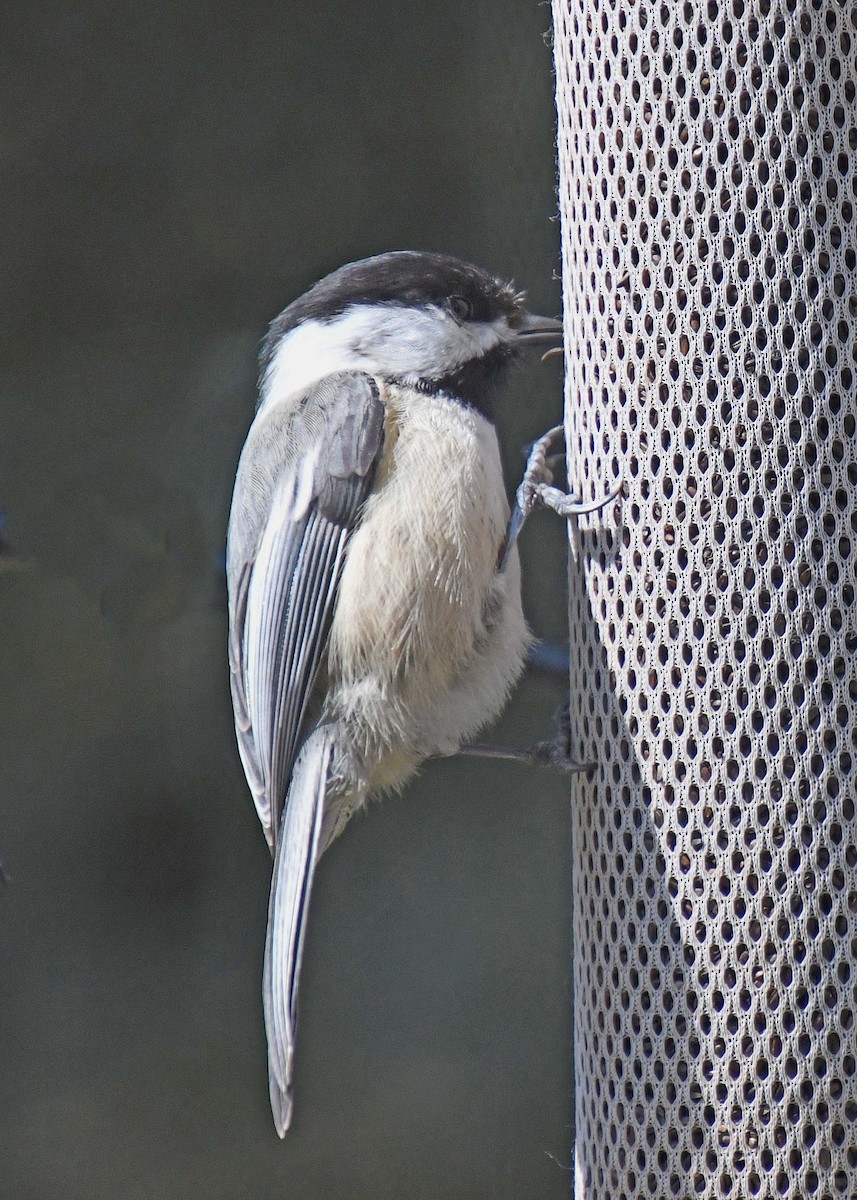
(708, 163)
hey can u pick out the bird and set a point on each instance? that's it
(374, 591)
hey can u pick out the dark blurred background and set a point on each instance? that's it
(174, 174)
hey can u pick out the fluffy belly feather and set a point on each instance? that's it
(427, 639)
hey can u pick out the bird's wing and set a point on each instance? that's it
(304, 476)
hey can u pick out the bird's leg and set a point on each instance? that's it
(554, 753)
(536, 490)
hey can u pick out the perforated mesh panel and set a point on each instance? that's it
(708, 156)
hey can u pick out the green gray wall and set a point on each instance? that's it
(174, 174)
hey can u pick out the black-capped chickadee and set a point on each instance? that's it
(374, 599)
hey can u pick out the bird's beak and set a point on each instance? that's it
(533, 330)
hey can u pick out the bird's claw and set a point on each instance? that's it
(556, 752)
(550, 754)
(537, 491)
(536, 488)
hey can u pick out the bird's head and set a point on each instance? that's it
(430, 321)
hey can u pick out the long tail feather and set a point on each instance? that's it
(291, 884)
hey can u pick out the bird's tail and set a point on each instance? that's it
(291, 884)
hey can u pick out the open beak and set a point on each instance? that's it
(533, 330)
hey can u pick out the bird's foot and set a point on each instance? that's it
(554, 753)
(536, 490)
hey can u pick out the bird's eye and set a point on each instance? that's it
(460, 308)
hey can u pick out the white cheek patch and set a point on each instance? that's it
(380, 339)
(426, 342)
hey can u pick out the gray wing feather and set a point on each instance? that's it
(304, 475)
